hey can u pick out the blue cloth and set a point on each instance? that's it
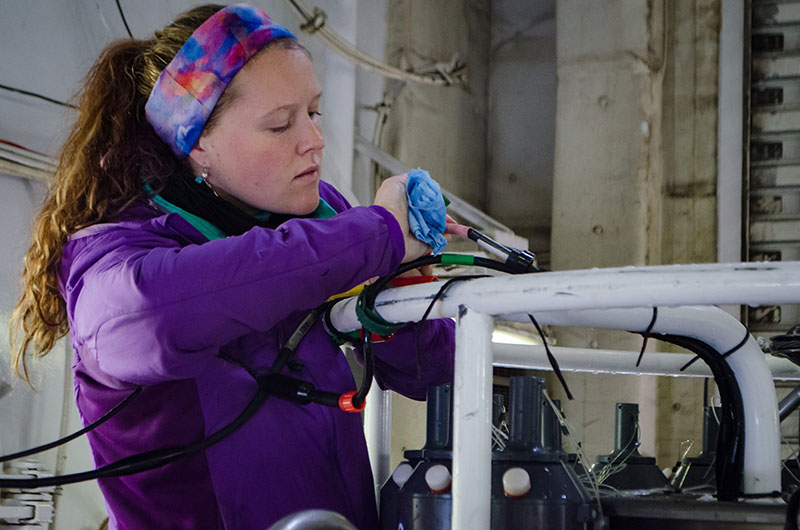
(427, 214)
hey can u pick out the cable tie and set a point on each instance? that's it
(646, 334)
(313, 25)
(724, 355)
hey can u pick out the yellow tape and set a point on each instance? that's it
(355, 291)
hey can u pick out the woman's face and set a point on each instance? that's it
(265, 149)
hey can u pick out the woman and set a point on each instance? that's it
(185, 238)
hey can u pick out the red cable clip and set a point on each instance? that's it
(375, 336)
(347, 405)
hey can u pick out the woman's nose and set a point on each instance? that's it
(311, 136)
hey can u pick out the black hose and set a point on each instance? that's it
(61, 441)
(730, 441)
(791, 511)
(142, 461)
(369, 370)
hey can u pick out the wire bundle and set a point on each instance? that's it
(442, 74)
(787, 345)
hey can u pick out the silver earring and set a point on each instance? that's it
(203, 178)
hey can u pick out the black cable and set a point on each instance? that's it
(727, 353)
(34, 94)
(446, 287)
(792, 508)
(552, 358)
(730, 440)
(787, 345)
(159, 457)
(370, 293)
(108, 415)
(646, 334)
(143, 461)
(122, 14)
(369, 371)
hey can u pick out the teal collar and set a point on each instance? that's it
(323, 211)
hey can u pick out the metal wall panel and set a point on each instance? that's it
(774, 193)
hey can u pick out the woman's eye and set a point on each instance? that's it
(314, 113)
(281, 129)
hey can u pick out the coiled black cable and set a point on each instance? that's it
(730, 440)
(61, 441)
(159, 457)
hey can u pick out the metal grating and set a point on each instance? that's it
(774, 178)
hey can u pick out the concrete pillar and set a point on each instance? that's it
(521, 120)
(634, 180)
(441, 129)
(689, 193)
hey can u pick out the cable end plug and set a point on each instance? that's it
(348, 404)
(522, 260)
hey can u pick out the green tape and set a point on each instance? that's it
(371, 320)
(457, 259)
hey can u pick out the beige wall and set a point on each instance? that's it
(634, 168)
(634, 182)
(441, 129)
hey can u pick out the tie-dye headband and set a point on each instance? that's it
(189, 87)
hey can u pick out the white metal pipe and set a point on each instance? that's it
(593, 360)
(378, 431)
(472, 416)
(759, 283)
(669, 285)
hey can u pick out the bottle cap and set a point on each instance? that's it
(402, 473)
(438, 479)
(516, 483)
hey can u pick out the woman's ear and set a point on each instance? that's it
(198, 157)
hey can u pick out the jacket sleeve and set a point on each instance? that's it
(418, 356)
(149, 309)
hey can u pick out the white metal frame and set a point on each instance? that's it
(618, 362)
(586, 297)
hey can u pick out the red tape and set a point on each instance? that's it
(402, 281)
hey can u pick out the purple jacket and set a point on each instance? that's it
(152, 302)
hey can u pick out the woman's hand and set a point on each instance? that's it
(392, 196)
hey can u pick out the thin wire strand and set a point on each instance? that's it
(551, 358)
(40, 96)
(124, 21)
(579, 451)
(314, 23)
